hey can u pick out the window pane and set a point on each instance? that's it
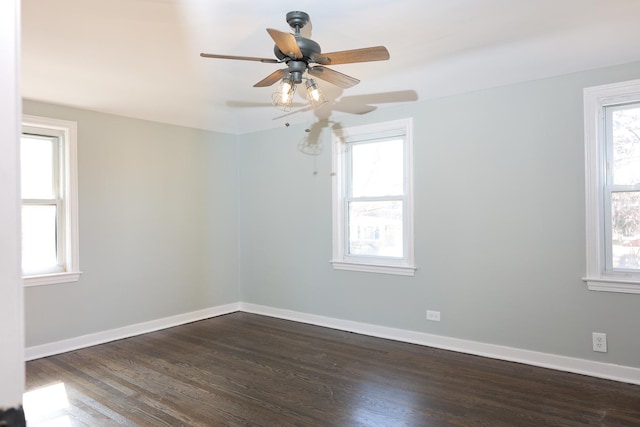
(39, 246)
(626, 145)
(375, 228)
(625, 230)
(37, 167)
(377, 169)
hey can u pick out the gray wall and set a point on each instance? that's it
(500, 228)
(158, 226)
(174, 220)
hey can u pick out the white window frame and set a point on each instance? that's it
(69, 244)
(598, 276)
(341, 259)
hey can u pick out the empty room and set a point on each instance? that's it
(354, 213)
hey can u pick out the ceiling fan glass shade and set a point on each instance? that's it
(283, 98)
(314, 95)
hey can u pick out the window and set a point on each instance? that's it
(612, 143)
(49, 201)
(372, 203)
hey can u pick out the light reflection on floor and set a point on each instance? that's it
(379, 404)
(46, 406)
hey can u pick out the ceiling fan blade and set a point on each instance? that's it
(286, 42)
(272, 78)
(367, 54)
(338, 79)
(241, 58)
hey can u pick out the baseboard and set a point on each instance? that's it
(608, 371)
(38, 351)
(591, 368)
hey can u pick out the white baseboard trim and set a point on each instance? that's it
(44, 350)
(591, 368)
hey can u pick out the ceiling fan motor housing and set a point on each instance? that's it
(298, 66)
(308, 47)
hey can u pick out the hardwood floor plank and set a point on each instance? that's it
(242, 369)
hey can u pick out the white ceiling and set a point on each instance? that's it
(140, 58)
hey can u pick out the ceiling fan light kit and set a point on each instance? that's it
(283, 97)
(297, 53)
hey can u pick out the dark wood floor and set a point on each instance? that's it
(243, 369)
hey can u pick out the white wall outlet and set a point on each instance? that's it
(433, 315)
(599, 342)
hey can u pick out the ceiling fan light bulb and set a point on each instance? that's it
(286, 87)
(314, 95)
(283, 98)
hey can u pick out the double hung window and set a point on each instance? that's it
(49, 201)
(612, 134)
(373, 207)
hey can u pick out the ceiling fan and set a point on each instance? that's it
(299, 54)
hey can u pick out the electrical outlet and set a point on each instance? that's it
(599, 342)
(433, 315)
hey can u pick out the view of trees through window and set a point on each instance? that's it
(375, 209)
(624, 181)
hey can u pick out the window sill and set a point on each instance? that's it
(375, 268)
(628, 285)
(51, 279)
